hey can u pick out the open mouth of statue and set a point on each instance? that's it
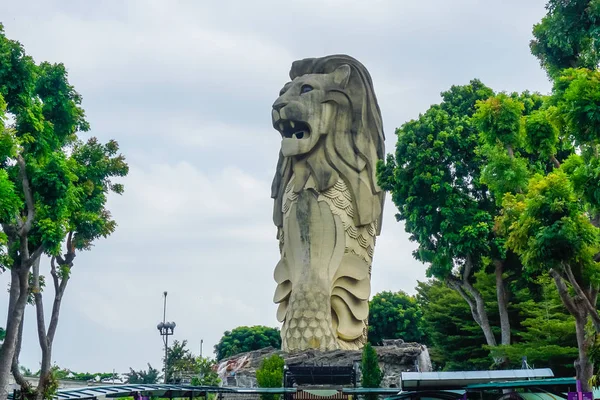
(293, 129)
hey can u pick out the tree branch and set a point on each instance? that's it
(26, 227)
(16, 372)
(39, 308)
(457, 285)
(37, 253)
(564, 293)
(59, 290)
(591, 309)
(54, 274)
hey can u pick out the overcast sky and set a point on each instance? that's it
(186, 88)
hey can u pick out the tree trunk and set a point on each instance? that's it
(477, 305)
(19, 378)
(502, 303)
(46, 337)
(17, 302)
(583, 366)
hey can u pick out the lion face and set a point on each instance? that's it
(301, 114)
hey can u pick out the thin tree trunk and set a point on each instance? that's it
(19, 290)
(46, 337)
(477, 305)
(18, 301)
(41, 330)
(19, 378)
(583, 366)
(502, 303)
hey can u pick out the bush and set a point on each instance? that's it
(371, 374)
(270, 375)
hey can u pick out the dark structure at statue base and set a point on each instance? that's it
(337, 368)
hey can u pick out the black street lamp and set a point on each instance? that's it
(166, 329)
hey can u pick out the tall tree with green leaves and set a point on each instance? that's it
(393, 316)
(567, 37)
(550, 213)
(247, 338)
(47, 190)
(434, 179)
(550, 217)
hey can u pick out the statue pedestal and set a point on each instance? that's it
(394, 358)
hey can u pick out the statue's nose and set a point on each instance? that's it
(278, 105)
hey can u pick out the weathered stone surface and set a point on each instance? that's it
(328, 205)
(240, 370)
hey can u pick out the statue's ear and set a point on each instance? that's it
(341, 75)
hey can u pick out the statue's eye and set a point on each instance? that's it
(305, 89)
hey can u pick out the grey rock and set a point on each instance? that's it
(240, 370)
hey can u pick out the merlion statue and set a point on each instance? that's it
(328, 206)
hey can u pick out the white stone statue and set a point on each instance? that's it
(328, 205)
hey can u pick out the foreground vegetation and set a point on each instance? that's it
(507, 186)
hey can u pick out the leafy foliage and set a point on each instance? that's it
(371, 373)
(434, 181)
(567, 37)
(247, 338)
(546, 334)
(454, 339)
(180, 362)
(53, 186)
(183, 365)
(207, 376)
(152, 375)
(270, 375)
(392, 316)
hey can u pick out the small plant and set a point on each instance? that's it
(371, 374)
(270, 375)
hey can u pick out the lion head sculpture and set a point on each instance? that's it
(330, 106)
(328, 206)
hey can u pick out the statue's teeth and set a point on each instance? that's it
(281, 126)
(292, 124)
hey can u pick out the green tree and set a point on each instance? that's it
(455, 341)
(247, 338)
(546, 331)
(567, 37)
(371, 373)
(44, 195)
(392, 316)
(550, 213)
(434, 179)
(270, 375)
(206, 375)
(142, 376)
(181, 363)
(2, 334)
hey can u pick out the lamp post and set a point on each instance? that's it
(166, 329)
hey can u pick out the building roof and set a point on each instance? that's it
(460, 379)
